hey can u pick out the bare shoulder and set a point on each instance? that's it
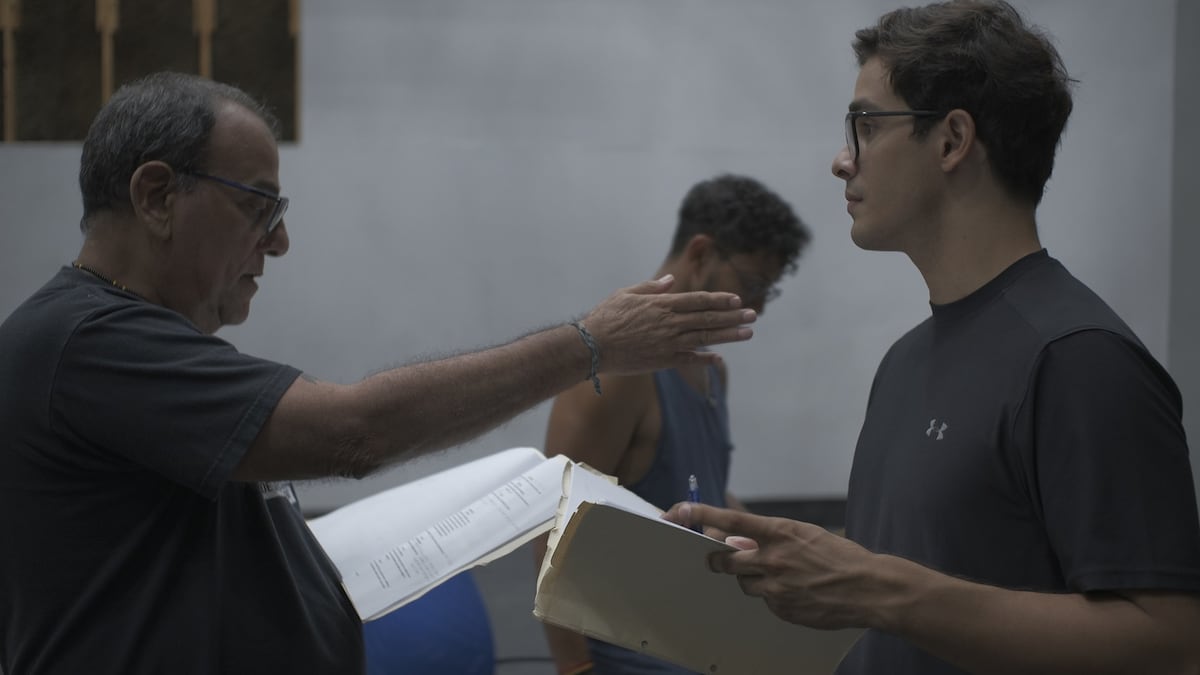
(600, 429)
(617, 393)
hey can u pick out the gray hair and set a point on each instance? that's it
(166, 117)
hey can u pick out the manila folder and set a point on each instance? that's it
(644, 584)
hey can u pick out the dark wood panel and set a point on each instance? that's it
(253, 48)
(58, 69)
(154, 35)
(58, 57)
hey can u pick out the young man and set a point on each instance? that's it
(142, 528)
(1021, 499)
(654, 431)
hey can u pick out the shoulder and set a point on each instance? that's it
(617, 392)
(1104, 362)
(1053, 304)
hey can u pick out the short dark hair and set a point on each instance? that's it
(979, 56)
(164, 116)
(743, 216)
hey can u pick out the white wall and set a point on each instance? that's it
(472, 169)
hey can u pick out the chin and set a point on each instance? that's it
(869, 240)
(861, 237)
(233, 314)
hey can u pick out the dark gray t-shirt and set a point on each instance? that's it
(1023, 437)
(126, 548)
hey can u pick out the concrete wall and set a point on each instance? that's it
(471, 169)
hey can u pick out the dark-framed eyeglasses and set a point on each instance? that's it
(856, 117)
(280, 202)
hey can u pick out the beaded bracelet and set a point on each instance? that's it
(591, 345)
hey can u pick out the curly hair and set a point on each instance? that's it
(165, 116)
(743, 216)
(979, 56)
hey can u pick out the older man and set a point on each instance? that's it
(143, 524)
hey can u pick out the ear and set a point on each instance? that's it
(957, 138)
(695, 262)
(700, 249)
(152, 191)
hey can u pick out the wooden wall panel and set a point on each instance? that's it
(253, 48)
(67, 52)
(57, 69)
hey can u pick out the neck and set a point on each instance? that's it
(80, 266)
(972, 247)
(107, 255)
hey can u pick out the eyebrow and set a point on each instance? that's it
(862, 104)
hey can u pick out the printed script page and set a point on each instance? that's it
(393, 547)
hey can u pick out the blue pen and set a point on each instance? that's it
(694, 496)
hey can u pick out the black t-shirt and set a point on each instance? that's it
(124, 546)
(1023, 437)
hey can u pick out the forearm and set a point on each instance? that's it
(429, 406)
(324, 429)
(985, 629)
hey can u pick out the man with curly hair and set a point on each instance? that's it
(654, 431)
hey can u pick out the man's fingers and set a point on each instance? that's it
(660, 285)
(728, 521)
(741, 543)
(741, 563)
(694, 302)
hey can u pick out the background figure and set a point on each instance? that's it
(1021, 498)
(655, 430)
(148, 523)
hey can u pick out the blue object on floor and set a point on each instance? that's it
(444, 631)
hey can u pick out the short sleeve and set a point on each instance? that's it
(137, 384)
(1112, 470)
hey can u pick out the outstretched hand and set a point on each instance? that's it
(806, 574)
(643, 327)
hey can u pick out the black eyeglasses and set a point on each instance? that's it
(856, 117)
(280, 207)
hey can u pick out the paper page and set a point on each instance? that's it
(398, 513)
(405, 541)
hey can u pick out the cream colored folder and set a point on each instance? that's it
(643, 583)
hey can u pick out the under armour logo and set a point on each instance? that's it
(933, 426)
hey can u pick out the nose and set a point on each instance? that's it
(844, 166)
(278, 242)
